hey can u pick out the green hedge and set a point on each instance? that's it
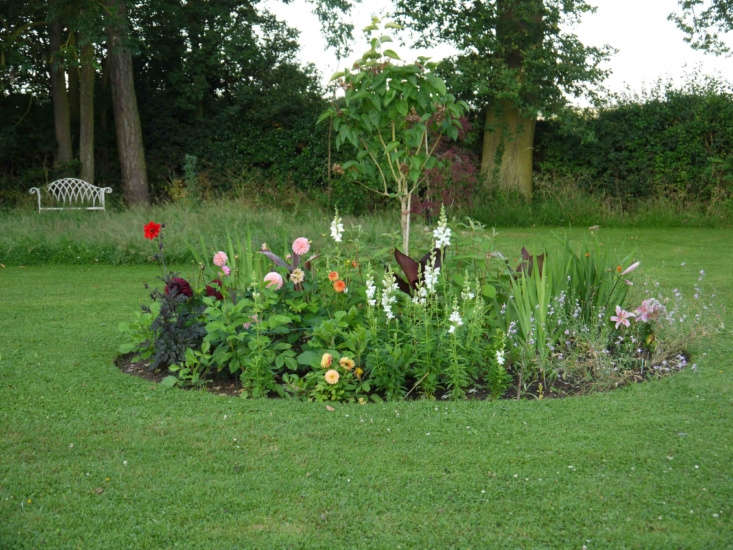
(670, 142)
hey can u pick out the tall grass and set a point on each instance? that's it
(74, 237)
(562, 201)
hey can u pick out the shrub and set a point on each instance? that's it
(388, 113)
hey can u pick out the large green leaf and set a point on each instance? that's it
(278, 320)
(391, 146)
(324, 115)
(310, 358)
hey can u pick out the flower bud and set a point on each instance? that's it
(326, 360)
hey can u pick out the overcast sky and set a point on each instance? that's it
(649, 47)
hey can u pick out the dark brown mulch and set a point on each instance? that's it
(127, 364)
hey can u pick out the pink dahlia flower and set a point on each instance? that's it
(273, 278)
(301, 246)
(220, 259)
(227, 270)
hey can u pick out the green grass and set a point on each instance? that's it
(93, 458)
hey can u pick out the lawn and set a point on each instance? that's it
(93, 458)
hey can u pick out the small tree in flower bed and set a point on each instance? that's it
(327, 326)
(395, 116)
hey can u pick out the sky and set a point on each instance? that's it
(649, 47)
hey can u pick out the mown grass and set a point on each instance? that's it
(93, 458)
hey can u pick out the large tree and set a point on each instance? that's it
(706, 24)
(517, 60)
(88, 34)
(199, 74)
(59, 94)
(124, 100)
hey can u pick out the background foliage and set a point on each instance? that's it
(239, 120)
(215, 80)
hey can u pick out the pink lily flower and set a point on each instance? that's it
(622, 317)
(631, 268)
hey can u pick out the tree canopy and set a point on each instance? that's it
(516, 59)
(706, 24)
(515, 50)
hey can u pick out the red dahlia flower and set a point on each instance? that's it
(152, 230)
(178, 286)
(212, 291)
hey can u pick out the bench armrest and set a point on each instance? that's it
(37, 191)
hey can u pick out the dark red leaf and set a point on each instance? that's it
(413, 270)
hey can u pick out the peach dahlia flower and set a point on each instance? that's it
(331, 376)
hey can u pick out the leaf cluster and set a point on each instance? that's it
(176, 328)
(388, 114)
(706, 25)
(514, 51)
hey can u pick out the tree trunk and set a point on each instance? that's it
(127, 117)
(405, 207)
(73, 76)
(61, 119)
(506, 157)
(86, 113)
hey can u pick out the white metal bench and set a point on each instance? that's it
(71, 194)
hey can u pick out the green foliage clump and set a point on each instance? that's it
(275, 334)
(515, 51)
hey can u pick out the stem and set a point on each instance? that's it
(405, 205)
(161, 254)
(376, 163)
(424, 376)
(389, 159)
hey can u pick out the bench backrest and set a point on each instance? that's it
(72, 194)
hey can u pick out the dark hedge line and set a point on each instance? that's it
(673, 142)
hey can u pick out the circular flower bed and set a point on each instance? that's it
(324, 326)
